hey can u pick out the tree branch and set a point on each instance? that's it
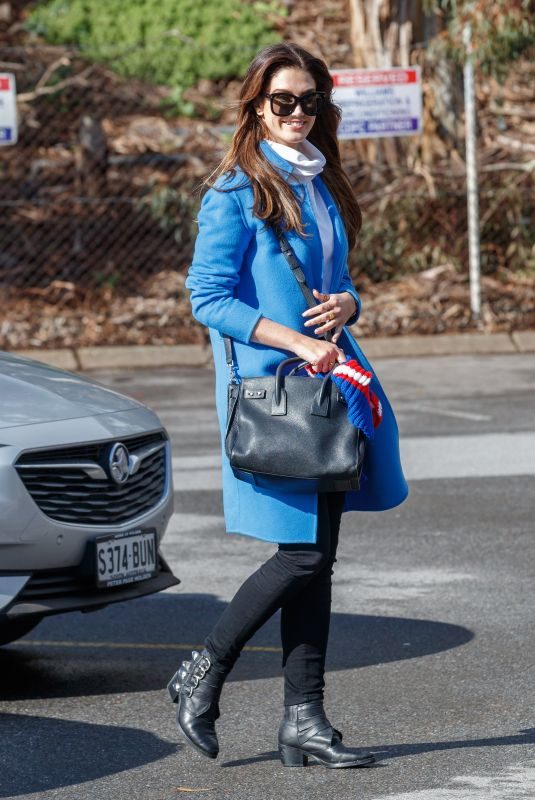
(76, 80)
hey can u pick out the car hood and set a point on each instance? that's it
(31, 392)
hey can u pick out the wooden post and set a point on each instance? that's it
(92, 157)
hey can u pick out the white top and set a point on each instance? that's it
(308, 163)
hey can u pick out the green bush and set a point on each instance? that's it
(170, 42)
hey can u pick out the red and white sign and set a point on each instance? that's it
(8, 109)
(378, 102)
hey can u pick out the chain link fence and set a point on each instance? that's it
(99, 199)
(76, 206)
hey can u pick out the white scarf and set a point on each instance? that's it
(307, 163)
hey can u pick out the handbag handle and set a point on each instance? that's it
(277, 394)
(320, 405)
(297, 368)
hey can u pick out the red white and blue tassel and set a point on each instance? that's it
(363, 406)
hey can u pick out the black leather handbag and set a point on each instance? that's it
(289, 430)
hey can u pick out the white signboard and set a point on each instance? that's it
(8, 109)
(378, 102)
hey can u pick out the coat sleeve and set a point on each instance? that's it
(220, 247)
(346, 285)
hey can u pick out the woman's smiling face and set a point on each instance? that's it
(293, 129)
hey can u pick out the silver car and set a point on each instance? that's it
(85, 496)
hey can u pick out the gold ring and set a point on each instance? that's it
(331, 316)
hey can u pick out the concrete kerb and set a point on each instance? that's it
(524, 341)
(185, 355)
(64, 359)
(196, 355)
(439, 345)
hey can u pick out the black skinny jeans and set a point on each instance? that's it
(297, 579)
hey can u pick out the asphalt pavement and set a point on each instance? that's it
(431, 658)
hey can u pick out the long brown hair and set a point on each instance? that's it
(274, 200)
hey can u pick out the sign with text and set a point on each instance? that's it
(378, 102)
(8, 109)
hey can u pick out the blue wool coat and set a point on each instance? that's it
(239, 275)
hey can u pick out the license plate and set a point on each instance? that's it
(125, 558)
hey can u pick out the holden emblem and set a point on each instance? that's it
(119, 463)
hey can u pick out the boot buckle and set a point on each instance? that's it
(205, 662)
(189, 676)
(202, 666)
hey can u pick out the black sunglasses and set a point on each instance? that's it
(284, 103)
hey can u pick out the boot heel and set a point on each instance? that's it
(173, 687)
(292, 756)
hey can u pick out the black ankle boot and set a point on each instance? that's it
(305, 734)
(196, 688)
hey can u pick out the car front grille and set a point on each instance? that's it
(73, 484)
(49, 584)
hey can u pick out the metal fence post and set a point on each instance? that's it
(471, 177)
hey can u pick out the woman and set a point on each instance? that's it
(283, 168)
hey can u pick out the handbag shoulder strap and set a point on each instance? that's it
(293, 263)
(299, 275)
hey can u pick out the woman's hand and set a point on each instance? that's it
(332, 312)
(321, 355)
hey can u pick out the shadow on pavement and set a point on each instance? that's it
(136, 646)
(385, 752)
(63, 753)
